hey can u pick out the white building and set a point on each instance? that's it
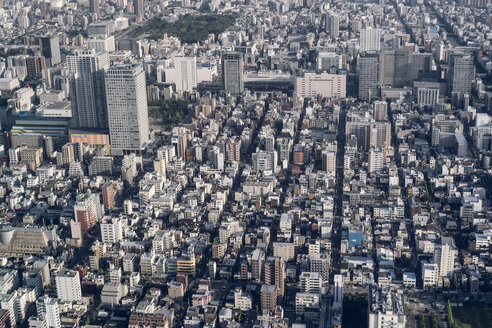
(306, 300)
(186, 76)
(386, 308)
(445, 255)
(324, 84)
(370, 39)
(242, 300)
(68, 286)
(286, 251)
(127, 109)
(430, 273)
(311, 282)
(111, 230)
(47, 309)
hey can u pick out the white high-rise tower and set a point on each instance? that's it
(127, 109)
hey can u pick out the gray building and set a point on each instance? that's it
(87, 86)
(368, 75)
(461, 72)
(232, 72)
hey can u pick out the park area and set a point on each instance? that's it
(473, 316)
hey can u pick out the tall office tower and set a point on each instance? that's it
(394, 68)
(232, 73)
(94, 7)
(185, 73)
(138, 9)
(47, 308)
(444, 256)
(50, 49)
(332, 25)
(88, 210)
(370, 39)
(368, 76)
(328, 159)
(461, 72)
(380, 110)
(275, 274)
(420, 63)
(87, 87)
(380, 135)
(257, 259)
(128, 115)
(376, 159)
(68, 286)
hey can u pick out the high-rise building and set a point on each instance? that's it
(47, 308)
(128, 115)
(88, 210)
(275, 274)
(370, 39)
(186, 78)
(233, 149)
(180, 141)
(68, 286)
(111, 230)
(332, 25)
(257, 259)
(264, 161)
(268, 296)
(420, 63)
(50, 49)
(138, 9)
(368, 66)
(461, 71)
(328, 160)
(34, 65)
(394, 69)
(232, 72)
(217, 158)
(94, 7)
(376, 159)
(88, 88)
(380, 110)
(445, 255)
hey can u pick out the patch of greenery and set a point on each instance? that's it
(188, 28)
(354, 311)
(468, 316)
(169, 112)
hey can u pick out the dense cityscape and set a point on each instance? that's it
(226, 164)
